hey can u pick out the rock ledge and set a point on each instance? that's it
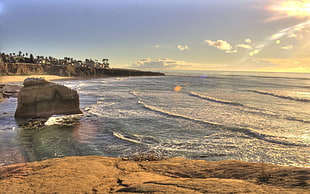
(96, 174)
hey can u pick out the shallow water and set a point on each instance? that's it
(257, 117)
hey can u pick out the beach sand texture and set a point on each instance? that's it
(9, 79)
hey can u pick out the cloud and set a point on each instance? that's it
(231, 51)
(246, 46)
(294, 64)
(248, 40)
(255, 52)
(288, 47)
(156, 46)
(183, 48)
(220, 44)
(297, 9)
(170, 64)
(227, 47)
(155, 64)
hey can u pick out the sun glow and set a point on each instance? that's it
(299, 8)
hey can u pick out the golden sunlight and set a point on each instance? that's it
(293, 8)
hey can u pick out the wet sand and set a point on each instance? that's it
(16, 78)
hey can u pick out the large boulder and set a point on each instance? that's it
(40, 98)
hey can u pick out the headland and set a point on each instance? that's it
(21, 64)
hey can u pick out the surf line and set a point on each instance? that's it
(247, 131)
(194, 94)
(279, 96)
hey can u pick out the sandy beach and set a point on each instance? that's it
(16, 78)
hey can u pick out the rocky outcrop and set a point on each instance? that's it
(96, 174)
(40, 98)
(9, 90)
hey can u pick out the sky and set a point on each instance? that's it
(163, 35)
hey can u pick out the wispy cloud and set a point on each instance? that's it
(248, 40)
(246, 46)
(231, 51)
(227, 47)
(294, 64)
(289, 8)
(288, 47)
(183, 48)
(220, 44)
(170, 64)
(163, 63)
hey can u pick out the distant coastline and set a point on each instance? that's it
(17, 67)
(21, 64)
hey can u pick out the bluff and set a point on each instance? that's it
(68, 70)
(40, 98)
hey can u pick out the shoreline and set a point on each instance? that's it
(98, 174)
(20, 78)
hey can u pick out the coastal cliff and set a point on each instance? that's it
(96, 174)
(75, 71)
(40, 98)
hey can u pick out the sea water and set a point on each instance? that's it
(211, 116)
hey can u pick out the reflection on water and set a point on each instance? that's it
(84, 132)
(41, 139)
(64, 138)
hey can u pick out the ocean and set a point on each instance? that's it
(257, 117)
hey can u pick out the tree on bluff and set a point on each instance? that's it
(31, 58)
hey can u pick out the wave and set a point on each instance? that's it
(247, 108)
(279, 77)
(257, 110)
(138, 139)
(247, 131)
(280, 96)
(135, 94)
(215, 99)
(120, 136)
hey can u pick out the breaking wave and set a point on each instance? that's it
(214, 99)
(134, 138)
(120, 136)
(252, 109)
(280, 96)
(247, 131)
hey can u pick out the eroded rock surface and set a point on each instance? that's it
(96, 174)
(40, 98)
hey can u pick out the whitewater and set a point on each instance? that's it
(211, 116)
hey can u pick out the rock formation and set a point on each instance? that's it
(40, 98)
(9, 90)
(96, 174)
